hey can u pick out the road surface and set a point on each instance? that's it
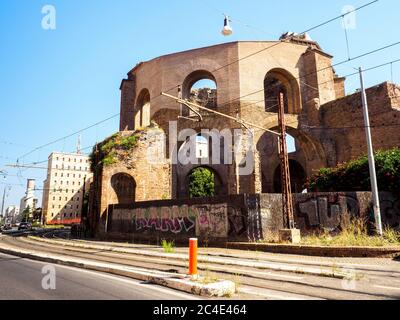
(21, 279)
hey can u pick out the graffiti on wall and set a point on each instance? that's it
(237, 223)
(164, 219)
(254, 229)
(212, 221)
(202, 220)
(326, 211)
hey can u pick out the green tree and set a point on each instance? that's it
(201, 183)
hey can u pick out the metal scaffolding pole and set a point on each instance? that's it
(287, 200)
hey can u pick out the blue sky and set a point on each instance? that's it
(56, 82)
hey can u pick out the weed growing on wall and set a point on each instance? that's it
(113, 149)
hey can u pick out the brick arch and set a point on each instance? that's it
(124, 187)
(280, 80)
(188, 83)
(310, 155)
(181, 171)
(218, 182)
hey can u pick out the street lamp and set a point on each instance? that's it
(227, 29)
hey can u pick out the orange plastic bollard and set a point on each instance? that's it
(193, 257)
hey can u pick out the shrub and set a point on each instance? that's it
(354, 175)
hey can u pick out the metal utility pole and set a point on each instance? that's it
(4, 199)
(287, 201)
(371, 159)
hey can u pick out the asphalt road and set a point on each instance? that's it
(21, 279)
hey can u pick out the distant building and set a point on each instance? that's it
(29, 200)
(63, 192)
(11, 214)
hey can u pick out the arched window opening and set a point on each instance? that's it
(124, 187)
(142, 117)
(204, 93)
(203, 182)
(291, 144)
(272, 88)
(280, 81)
(202, 147)
(200, 87)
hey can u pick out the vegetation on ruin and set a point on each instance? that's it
(201, 183)
(354, 233)
(354, 175)
(112, 149)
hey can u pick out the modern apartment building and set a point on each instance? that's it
(12, 212)
(68, 178)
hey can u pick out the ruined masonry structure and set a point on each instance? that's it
(326, 124)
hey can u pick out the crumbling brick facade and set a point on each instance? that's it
(326, 124)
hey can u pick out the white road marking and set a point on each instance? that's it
(128, 281)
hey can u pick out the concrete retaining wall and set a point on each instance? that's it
(241, 217)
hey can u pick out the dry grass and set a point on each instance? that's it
(354, 232)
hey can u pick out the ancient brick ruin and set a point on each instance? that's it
(327, 124)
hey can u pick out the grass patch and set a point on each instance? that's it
(354, 233)
(168, 246)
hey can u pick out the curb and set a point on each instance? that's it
(179, 282)
(314, 271)
(318, 251)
